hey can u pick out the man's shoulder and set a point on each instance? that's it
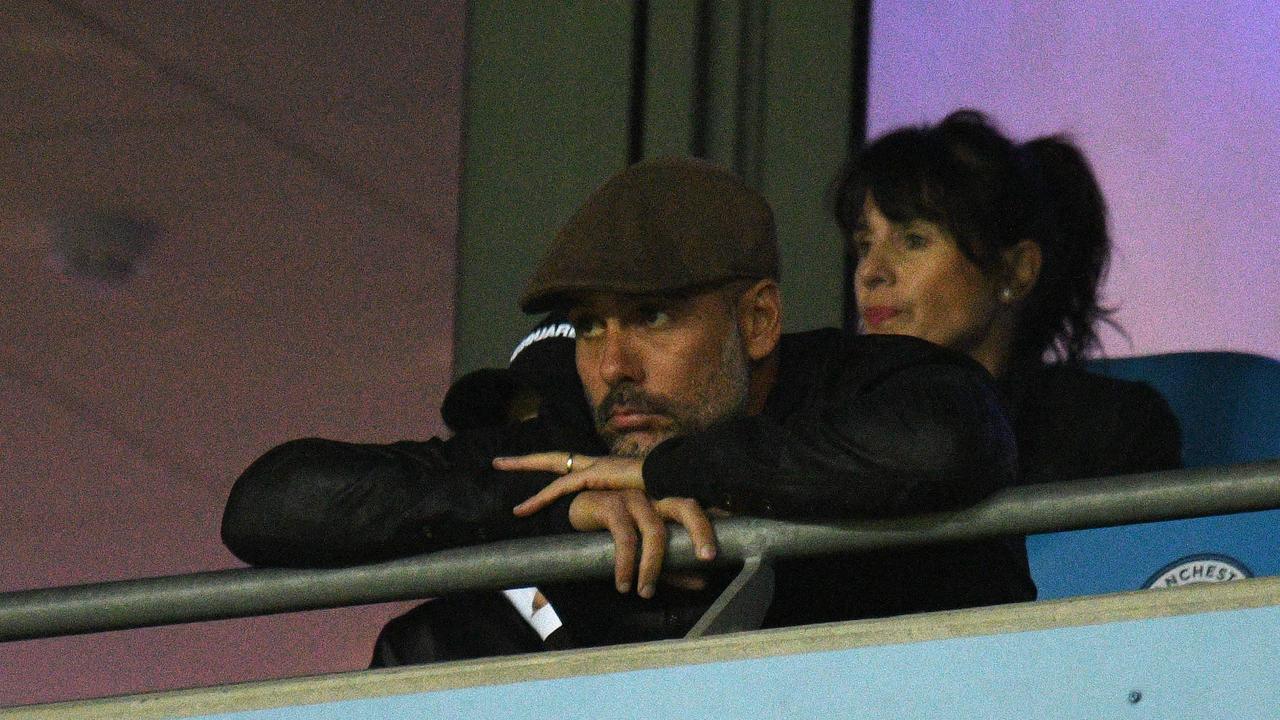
(826, 365)
(829, 350)
(822, 342)
(803, 360)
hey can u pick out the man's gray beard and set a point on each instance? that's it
(724, 397)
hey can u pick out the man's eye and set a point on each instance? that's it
(861, 247)
(656, 318)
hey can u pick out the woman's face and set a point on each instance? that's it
(912, 279)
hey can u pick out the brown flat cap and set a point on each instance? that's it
(659, 227)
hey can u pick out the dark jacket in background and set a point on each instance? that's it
(1072, 424)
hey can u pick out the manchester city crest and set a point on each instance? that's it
(1206, 567)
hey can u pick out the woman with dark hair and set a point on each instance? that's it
(995, 249)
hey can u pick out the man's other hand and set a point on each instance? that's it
(634, 519)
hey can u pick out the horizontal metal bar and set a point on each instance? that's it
(52, 612)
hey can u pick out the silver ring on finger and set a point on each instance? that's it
(568, 464)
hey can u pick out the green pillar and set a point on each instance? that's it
(546, 115)
(547, 105)
(805, 118)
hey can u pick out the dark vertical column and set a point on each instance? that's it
(700, 121)
(751, 110)
(859, 72)
(639, 70)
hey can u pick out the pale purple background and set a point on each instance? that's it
(1177, 104)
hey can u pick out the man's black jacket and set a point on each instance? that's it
(862, 427)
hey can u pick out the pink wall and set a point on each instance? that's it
(1177, 104)
(284, 297)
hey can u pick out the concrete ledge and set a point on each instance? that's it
(1023, 617)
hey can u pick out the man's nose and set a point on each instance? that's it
(619, 359)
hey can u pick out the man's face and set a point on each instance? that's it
(654, 367)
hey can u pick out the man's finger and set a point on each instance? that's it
(554, 490)
(607, 511)
(537, 462)
(653, 541)
(690, 514)
(618, 522)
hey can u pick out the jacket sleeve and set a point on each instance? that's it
(897, 426)
(314, 502)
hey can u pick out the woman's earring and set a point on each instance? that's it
(1006, 294)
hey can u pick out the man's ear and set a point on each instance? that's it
(1021, 262)
(760, 318)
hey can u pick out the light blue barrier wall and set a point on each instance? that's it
(1130, 557)
(1222, 664)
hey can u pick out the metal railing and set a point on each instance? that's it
(146, 602)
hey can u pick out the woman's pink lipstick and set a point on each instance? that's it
(877, 315)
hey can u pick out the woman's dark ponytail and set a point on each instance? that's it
(1063, 310)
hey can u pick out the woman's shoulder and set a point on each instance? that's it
(1073, 423)
(1071, 386)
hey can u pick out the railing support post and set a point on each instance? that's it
(743, 604)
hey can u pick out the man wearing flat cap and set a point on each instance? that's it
(697, 402)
